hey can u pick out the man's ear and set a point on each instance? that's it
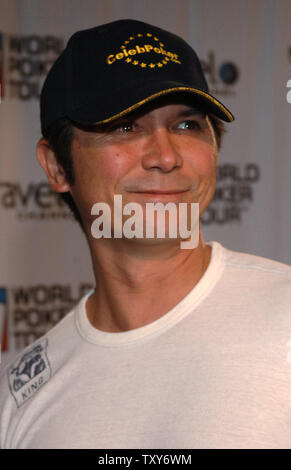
(51, 167)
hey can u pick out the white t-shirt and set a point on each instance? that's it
(213, 372)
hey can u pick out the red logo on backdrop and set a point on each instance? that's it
(3, 319)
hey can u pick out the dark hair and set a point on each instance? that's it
(60, 136)
(219, 129)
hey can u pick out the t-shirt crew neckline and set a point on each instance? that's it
(172, 317)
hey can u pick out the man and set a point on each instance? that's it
(174, 348)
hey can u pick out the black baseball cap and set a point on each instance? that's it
(108, 71)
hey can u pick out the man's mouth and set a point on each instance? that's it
(158, 191)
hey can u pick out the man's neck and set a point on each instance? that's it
(136, 288)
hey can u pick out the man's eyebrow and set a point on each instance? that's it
(191, 112)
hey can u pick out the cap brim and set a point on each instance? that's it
(102, 109)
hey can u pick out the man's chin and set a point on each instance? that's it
(156, 241)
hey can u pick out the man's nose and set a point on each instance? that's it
(161, 152)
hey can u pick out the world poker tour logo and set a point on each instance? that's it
(234, 193)
(221, 77)
(25, 62)
(35, 309)
(33, 201)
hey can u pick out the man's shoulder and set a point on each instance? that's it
(32, 372)
(254, 263)
(268, 280)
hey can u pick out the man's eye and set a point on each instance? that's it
(123, 127)
(127, 127)
(190, 124)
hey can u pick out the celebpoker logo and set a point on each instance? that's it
(145, 51)
(221, 77)
(24, 63)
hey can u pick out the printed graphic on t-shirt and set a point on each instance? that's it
(28, 373)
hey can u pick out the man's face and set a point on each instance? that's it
(164, 154)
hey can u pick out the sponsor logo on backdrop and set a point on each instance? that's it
(221, 77)
(33, 310)
(33, 201)
(30, 372)
(24, 63)
(234, 193)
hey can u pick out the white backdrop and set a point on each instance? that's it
(245, 47)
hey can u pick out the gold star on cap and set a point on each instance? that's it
(135, 62)
(152, 65)
(156, 39)
(128, 60)
(140, 35)
(143, 64)
(149, 35)
(131, 38)
(159, 64)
